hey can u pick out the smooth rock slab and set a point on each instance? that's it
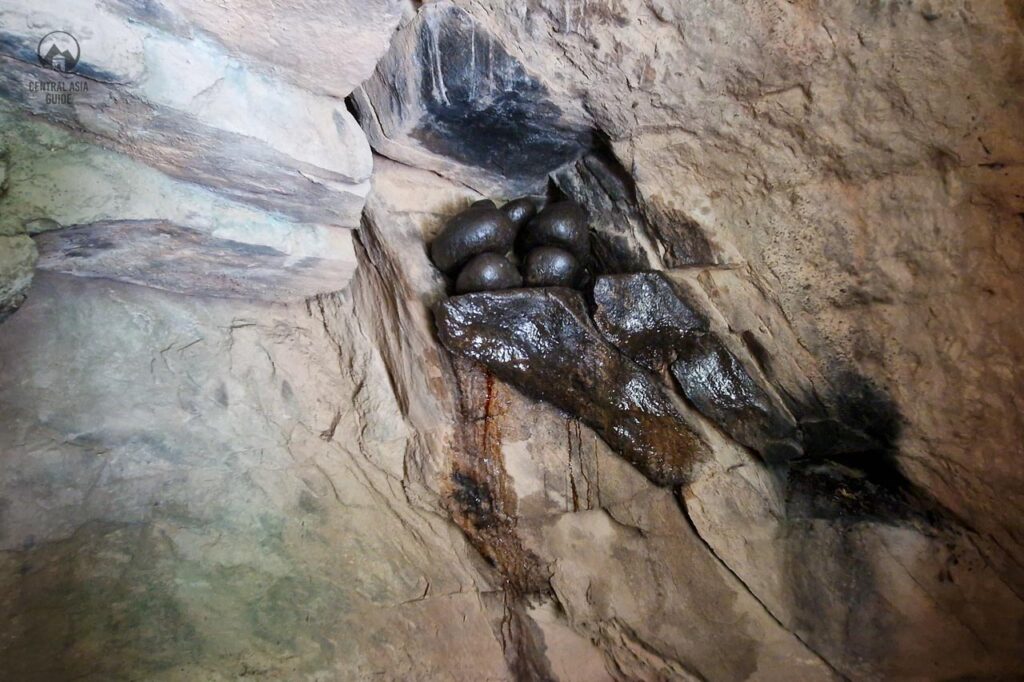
(721, 388)
(542, 342)
(171, 257)
(649, 319)
(646, 316)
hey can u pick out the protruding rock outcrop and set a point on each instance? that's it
(542, 342)
(449, 97)
(649, 318)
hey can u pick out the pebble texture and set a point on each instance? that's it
(550, 266)
(561, 224)
(520, 211)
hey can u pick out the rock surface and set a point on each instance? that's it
(488, 272)
(448, 96)
(203, 489)
(176, 114)
(542, 342)
(550, 266)
(562, 224)
(481, 228)
(652, 320)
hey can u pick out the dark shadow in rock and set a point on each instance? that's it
(542, 342)
(480, 105)
(600, 183)
(619, 223)
(849, 470)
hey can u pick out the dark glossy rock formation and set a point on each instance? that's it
(649, 318)
(563, 224)
(542, 342)
(520, 211)
(718, 385)
(488, 272)
(482, 203)
(550, 266)
(481, 228)
(646, 315)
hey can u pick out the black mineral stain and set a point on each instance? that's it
(482, 107)
(849, 471)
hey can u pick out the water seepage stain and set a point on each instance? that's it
(482, 500)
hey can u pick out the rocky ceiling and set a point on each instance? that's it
(233, 440)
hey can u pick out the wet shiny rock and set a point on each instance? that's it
(650, 319)
(488, 272)
(520, 211)
(562, 224)
(550, 266)
(478, 229)
(646, 315)
(542, 342)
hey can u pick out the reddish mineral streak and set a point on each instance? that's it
(483, 501)
(488, 402)
(572, 478)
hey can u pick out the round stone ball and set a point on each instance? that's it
(562, 224)
(551, 266)
(488, 272)
(520, 211)
(478, 229)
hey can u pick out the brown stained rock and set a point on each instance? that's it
(542, 342)
(649, 318)
(481, 498)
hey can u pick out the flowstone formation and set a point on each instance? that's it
(542, 340)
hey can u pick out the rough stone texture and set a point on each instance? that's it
(449, 97)
(877, 206)
(195, 489)
(542, 342)
(178, 100)
(17, 260)
(613, 541)
(838, 184)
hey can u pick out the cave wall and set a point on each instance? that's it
(228, 451)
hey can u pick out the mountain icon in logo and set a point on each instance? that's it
(59, 51)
